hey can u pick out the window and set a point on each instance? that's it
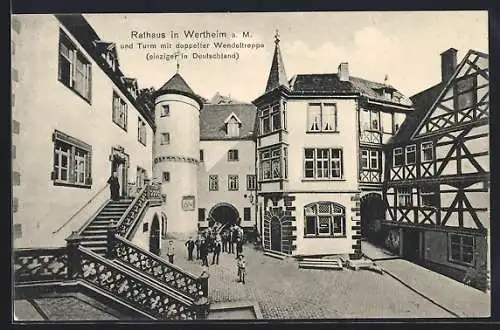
(74, 69)
(465, 92)
(374, 160)
(365, 163)
(201, 214)
(72, 159)
(202, 156)
(323, 163)
(119, 111)
(375, 120)
(251, 182)
(165, 138)
(270, 164)
(321, 117)
(398, 158)
(233, 127)
(461, 248)
(247, 214)
(213, 182)
(270, 119)
(324, 219)
(141, 131)
(165, 110)
(166, 176)
(232, 155)
(411, 154)
(429, 196)
(427, 154)
(404, 197)
(232, 182)
(145, 227)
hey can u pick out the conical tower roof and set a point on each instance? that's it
(177, 85)
(277, 75)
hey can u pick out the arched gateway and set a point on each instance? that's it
(224, 213)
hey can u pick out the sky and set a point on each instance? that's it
(405, 46)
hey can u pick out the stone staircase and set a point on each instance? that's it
(94, 236)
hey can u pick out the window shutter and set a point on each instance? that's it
(88, 169)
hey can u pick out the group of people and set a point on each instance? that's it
(217, 239)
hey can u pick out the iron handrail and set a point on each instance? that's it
(129, 208)
(81, 209)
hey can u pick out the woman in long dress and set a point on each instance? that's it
(114, 187)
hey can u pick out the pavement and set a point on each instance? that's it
(458, 298)
(283, 291)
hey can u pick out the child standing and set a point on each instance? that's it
(241, 269)
(170, 251)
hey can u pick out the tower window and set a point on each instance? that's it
(166, 176)
(165, 110)
(165, 138)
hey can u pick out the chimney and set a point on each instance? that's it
(448, 64)
(343, 71)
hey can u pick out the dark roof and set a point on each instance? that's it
(213, 115)
(421, 102)
(177, 85)
(277, 75)
(329, 83)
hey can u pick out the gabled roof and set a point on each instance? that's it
(213, 116)
(421, 102)
(232, 115)
(424, 103)
(277, 75)
(329, 83)
(177, 85)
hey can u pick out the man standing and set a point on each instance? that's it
(232, 238)
(170, 251)
(114, 186)
(204, 252)
(217, 248)
(197, 244)
(224, 240)
(190, 247)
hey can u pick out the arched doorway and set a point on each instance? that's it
(275, 234)
(224, 213)
(154, 236)
(372, 213)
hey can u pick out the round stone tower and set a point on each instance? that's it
(176, 153)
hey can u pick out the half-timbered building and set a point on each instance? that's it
(437, 174)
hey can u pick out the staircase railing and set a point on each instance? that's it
(127, 220)
(40, 265)
(133, 289)
(182, 281)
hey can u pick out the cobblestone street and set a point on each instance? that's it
(283, 291)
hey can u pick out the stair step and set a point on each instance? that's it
(275, 255)
(92, 232)
(95, 243)
(320, 266)
(98, 250)
(87, 238)
(320, 260)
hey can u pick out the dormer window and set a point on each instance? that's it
(233, 124)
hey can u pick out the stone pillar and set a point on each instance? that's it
(74, 257)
